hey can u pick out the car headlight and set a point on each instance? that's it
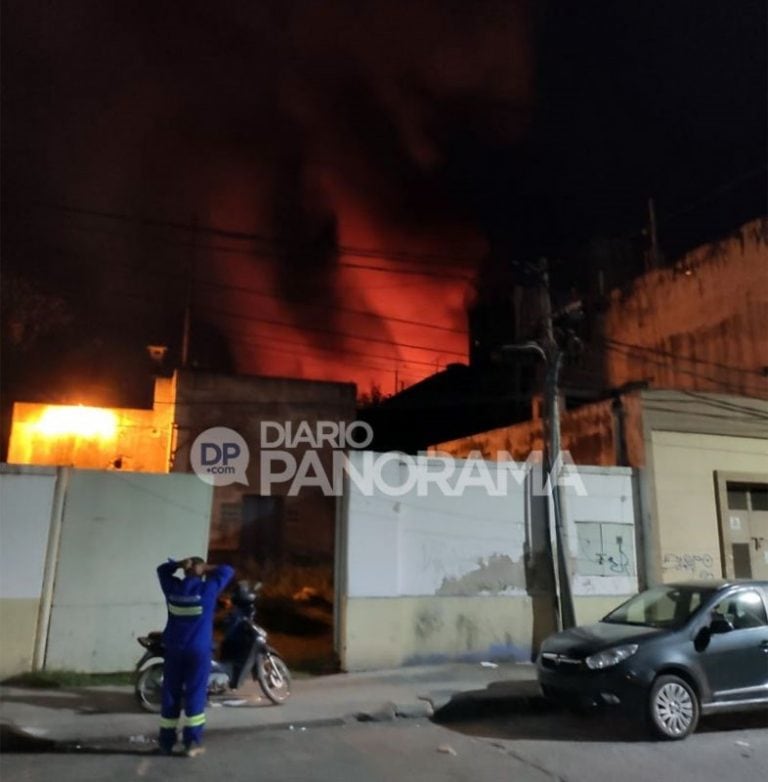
(610, 657)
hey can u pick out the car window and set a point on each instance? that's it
(744, 610)
(663, 606)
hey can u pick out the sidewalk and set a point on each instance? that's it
(93, 714)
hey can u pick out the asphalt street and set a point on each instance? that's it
(535, 747)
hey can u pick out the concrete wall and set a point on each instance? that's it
(241, 403)
(115, 530)
(699, 325)
(608, 432)
(687, 543)
(433, 577)
(137, 440)
(464, 577)
(26, 500)
(588, 433)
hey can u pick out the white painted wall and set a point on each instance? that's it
(440, 576)
(608, 501)
(116, 529)
(684, 467)
(409, 545)
(26, 498)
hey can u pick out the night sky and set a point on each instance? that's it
(288, 156)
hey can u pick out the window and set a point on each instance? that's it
(662, 606)
(737, 496)
(759, 496)
(744, 610)
(742, 563)
(745, 496)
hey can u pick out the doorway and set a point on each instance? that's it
(743, 517)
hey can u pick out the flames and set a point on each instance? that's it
(320, 125)
(78, 421)
(376, 321)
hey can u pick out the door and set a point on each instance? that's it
(262, 535)
(747, 527)
(736, 662)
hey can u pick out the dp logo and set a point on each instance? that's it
(220, 456)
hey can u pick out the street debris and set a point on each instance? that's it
(235, 702)
(746, 748)
(421, 709)
(33, 731)
(139, 739)
(487, 664)
(385, 713)
(447, 749)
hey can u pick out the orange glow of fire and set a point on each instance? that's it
(89, 422)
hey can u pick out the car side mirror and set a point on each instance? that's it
(719, 625)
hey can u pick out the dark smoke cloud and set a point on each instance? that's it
(314, 123)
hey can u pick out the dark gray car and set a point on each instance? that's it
(670, 653)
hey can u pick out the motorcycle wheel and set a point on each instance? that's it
(274, 677)
(149, 687)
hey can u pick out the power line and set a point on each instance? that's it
(678, 357)
(715, 381)
(399, 362)
(318, 329)
(333, 332)
(322, 305)
(713, 194)
(676, 411)
(349, 250)
(328, 305)
(308, 357)
(176, 274)
(274, 253)
(726, 405)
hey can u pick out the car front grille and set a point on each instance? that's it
(561, 662)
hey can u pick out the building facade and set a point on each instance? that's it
(702, 462)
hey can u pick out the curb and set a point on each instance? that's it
(490, 704)
(14, 739)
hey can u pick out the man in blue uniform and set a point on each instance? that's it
(188, 639)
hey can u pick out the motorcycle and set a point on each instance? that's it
(244, 650)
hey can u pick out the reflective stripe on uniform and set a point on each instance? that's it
(194, 720)
(184, 598)
(169, 722)
(185, 610)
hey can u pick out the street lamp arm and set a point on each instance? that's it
(525, 347)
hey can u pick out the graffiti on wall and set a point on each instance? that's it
(690, 564)
(605, 549)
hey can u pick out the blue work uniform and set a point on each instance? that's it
(188, 639)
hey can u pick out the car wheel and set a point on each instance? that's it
(673, 708)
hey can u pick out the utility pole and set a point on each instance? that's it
(554, 359)
(552, 355)
(187, 327)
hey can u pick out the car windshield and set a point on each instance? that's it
(664, 606)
